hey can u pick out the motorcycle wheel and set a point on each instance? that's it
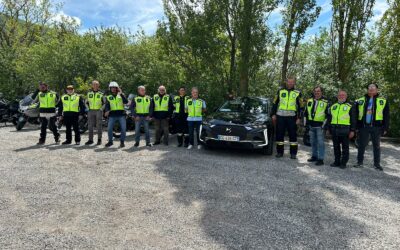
(20, 125)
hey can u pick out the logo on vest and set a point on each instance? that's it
(139, 100)
(90, 95)
(190, 103)
(283, 95)
(381, 102)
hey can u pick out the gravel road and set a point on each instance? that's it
(79, 197)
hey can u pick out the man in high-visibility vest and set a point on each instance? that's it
(72, 106)
(115, 111)
(180, 117)
(286, 112)
(141, 111)
(95, 101)
(48, 101)
(372, 113)
(341, 121)
(163, 108)
(316, 112)
(196, 108)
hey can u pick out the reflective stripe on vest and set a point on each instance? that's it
(47, 100)
(320, 113)
(70, 103)
(142, 105)
(163, 106)
(195, 109)
(288, 100)
(341, 114)
(95, 100)
(116, 102)
(380, 106)
(177, 103)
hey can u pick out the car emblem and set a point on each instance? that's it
(228, 130)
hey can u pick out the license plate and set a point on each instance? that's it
(228, 138)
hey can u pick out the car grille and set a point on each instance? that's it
(230, 130)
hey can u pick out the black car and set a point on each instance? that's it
(240, 123)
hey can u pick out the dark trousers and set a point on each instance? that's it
(194, 125)
(363, 138)
(51, 123)
(181, 126)
(161, 126)
(72, 122)
(283, 124)
(340, 139)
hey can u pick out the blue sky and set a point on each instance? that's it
(132, 14)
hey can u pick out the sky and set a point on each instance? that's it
(144, 14)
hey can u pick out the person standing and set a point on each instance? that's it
(141, 110)
(180, 117)
(48, 101)
(163, 108)
(316, 112)
(72, 106)
(115, 111)
(372, 113)
(95, 102)
(286, 111)
(342, 123)
(195, 108)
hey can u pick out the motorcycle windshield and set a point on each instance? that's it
(26, 101)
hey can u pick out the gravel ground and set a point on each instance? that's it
(82, 197)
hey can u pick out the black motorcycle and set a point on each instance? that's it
(8, 110)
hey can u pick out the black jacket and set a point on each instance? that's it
(299, 103)
(133, 108)
(115, 112)
(386, 114)
(82, 109)
(314, 123)
(163, 114)
(353, 120)
(35, 97)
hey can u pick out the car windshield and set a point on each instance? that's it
(248, 105)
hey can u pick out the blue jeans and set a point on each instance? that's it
(138, 124)
(317, 138)
(122, 122)
(194, 125)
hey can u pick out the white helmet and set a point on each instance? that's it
(113, 84)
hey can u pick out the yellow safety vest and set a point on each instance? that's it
(163, 106)
(177, 103)
(47, 99)
(288, 99)
(142, 105)
(95, 100)
(70, 103)
(341, 114)
(195, 108)
(320, 112)
(116, 102)
(380, 106)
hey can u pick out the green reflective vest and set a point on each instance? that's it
(70, 103)
(95, 100)
(177, 103)
(142, 105)
(116, 102)
(341, 114)
(163, 106)
(380, 106)
(47, 99)
(195, 109)
(288, 99)
(320, 112)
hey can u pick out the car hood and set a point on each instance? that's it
(220, 118)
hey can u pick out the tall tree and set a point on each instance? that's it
(298, 16)
(349, 23)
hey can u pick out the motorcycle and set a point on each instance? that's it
(8, 110)
(28, 112)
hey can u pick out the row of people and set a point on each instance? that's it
(368, 116)
(186, 112)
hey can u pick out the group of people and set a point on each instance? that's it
(368, 116)
(185, 112)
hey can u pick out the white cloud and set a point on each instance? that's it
(380, 8)
(61, 16)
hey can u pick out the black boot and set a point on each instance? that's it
(41, 142)
(180, 140)
(186, 139)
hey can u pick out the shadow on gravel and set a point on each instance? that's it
(251, 205)
(28, 148)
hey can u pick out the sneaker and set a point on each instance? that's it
(199, 146)
(190, 147)
(358, 165)
(312, 159)
(136, 144)
(343, 166)
(122, 144)
(41, 142)
(186, 145)
(149, 145)
(279, 155)
(89, 143)
(334, 165)
(78, 143)
(109, 144)
(293, 157)
(66, 143)
(319, 163)
(378, 167)
(98, 142)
